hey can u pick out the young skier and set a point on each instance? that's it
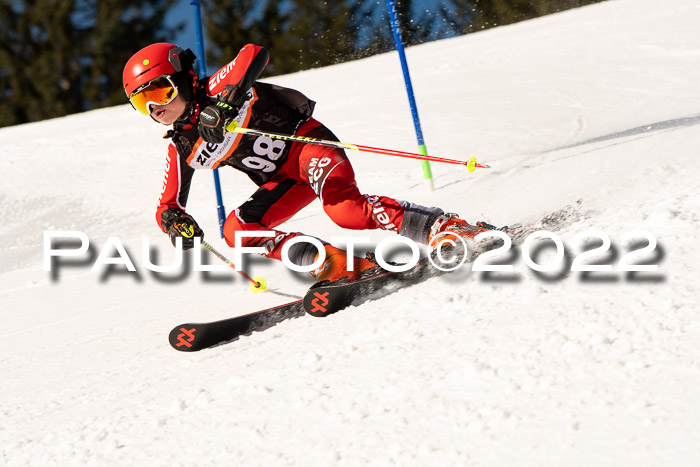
(160, 81)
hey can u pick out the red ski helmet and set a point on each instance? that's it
(157, 60)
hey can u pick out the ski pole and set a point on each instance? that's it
(256, 285)
(471, 164)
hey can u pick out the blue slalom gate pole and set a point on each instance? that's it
(396, 29)
(203, 72)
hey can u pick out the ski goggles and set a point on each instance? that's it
(158, 91)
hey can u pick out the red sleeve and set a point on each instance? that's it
(176, 184)
(242, 71)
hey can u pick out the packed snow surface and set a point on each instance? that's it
(596, 109)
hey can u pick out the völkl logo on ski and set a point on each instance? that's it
(319, 302)
(186, 337)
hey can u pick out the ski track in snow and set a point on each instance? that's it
(597, 104)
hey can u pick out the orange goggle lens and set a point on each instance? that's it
(159, 91)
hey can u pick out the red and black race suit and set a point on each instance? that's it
(290, 175)
(267, 108)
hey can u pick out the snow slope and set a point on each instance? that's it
(595, 108)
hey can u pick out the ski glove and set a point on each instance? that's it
(180, 224)
(213, 121)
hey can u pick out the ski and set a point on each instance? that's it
(325, 298)
(191, 337)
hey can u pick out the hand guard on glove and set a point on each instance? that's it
(214, 118)
(180, 224)
(213, 121)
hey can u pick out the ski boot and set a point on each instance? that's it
(451, 235)
(335, 267)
